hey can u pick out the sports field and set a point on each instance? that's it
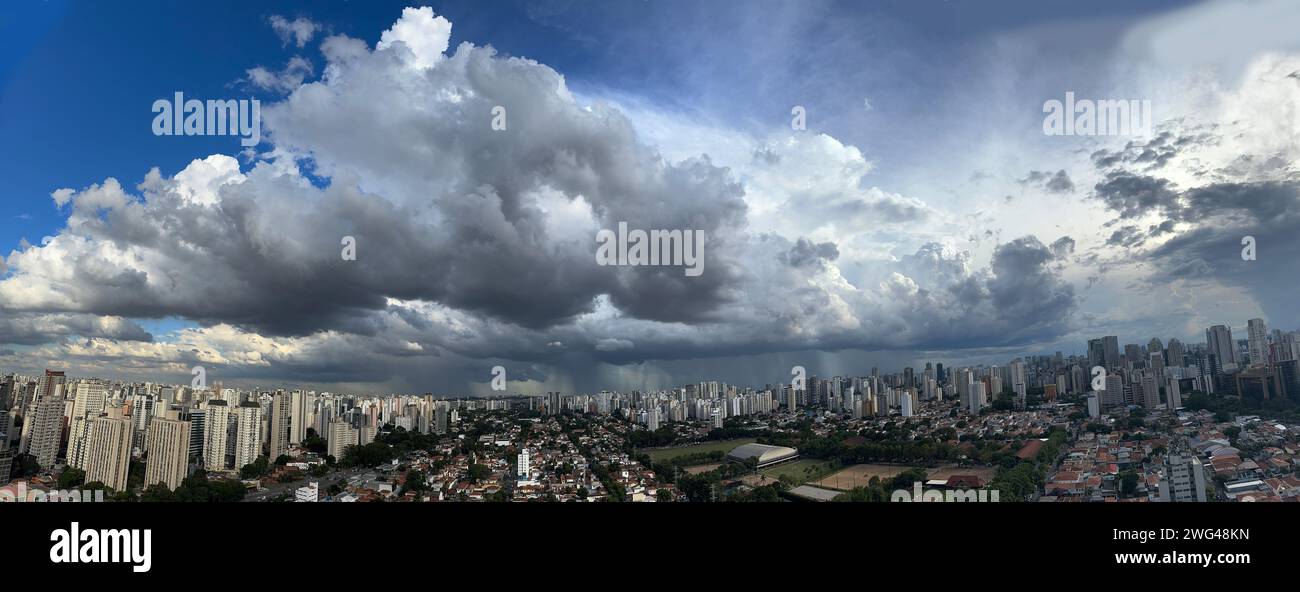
(800, 470)
(860, 475)
(664, 454)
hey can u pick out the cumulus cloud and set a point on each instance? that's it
(476, 245)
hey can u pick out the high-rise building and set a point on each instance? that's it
(49, 386)
(1175, 354)
(108, 451)
(6, 454)
(248, 433)
(976, 397)
(169, 450)
(440, 412)
(46, 427)
(216, 438)
(89, 398)
(1113, 396)
(8, 392)
(1258, 338)
(1288, 375)
(1104, 352)
(1155, 347)
(298, 418)
(341, 435)
(1218, 340)
(278, 442)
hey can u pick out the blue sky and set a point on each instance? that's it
(77, 78)
(913, 215)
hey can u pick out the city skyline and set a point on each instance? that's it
(426, 189)
(1256, 347)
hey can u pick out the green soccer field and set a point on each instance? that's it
(725, 446)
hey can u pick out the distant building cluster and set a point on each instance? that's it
(1131, 434)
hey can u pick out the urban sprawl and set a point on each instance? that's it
(1153, 422)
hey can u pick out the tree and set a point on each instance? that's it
(27, 465)
(414, 482)
(369, 455)
(478, 472)
(1128, 483)
(71, 478)
(282, 460)
(158, 493)
(255, 469)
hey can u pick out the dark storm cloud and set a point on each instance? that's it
(37, 328)
(1132, 195)
(1024, 287)
(1154, 153)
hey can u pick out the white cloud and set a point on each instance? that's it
(298, 31)
(425, 35)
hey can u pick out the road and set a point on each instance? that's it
(274, 490)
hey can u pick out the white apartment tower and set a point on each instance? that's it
(169, 450)
(108, 451)
(216, 437)
(278, 443)
(1258, 334)
(248, 433)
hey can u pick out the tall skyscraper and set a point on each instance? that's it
(248, 433)
(8, 390)
(278, 441)
(1104, 352)
(298, 417)
(169, 450)
(6, 454)
(217, 432)
(48, 386)
(89, 398)
(1113, 396)
(1156, 364)
(46, 427)
(440, 417)
(1175, 353)
(108, 452)
(1258, 336)
(1218, 339)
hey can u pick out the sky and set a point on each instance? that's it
(872, 179)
